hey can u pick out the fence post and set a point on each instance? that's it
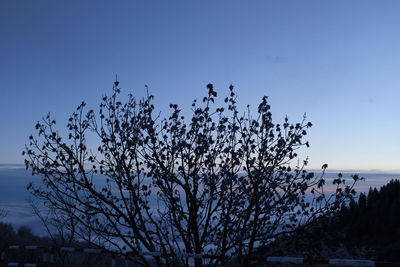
(246, 260)
(45, 257)
(126, 260)
(113, 260)
(2, 257)
(52, 256)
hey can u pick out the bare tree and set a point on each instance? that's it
(3, 213)
(218, 182)
(59, 227)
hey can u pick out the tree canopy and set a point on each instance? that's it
(221, 181)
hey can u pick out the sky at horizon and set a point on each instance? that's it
(17, 201)
(338, 61)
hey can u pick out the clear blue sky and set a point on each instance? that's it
(339, 61)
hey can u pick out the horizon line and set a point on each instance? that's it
(336, 170)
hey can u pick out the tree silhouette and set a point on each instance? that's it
(217, 182)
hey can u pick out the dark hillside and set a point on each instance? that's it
(365, 229)
(374, 221)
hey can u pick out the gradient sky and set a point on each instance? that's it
(339, 61)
